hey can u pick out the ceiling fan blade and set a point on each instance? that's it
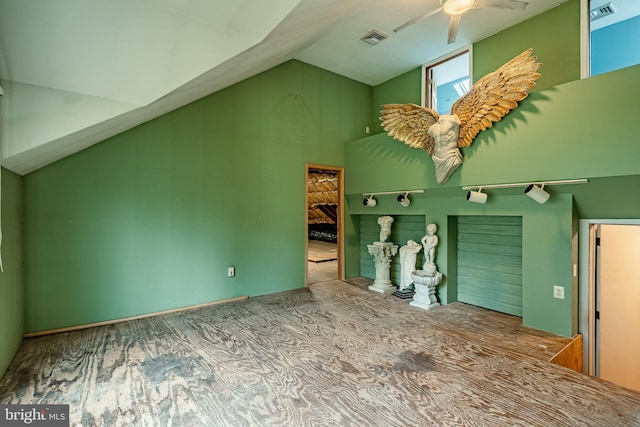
(501, 4)
(416, 19)
(454, 23)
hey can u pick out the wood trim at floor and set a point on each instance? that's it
(571, 355)
(126, 319)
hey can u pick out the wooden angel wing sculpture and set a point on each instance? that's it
(410, 124)
(490, 99)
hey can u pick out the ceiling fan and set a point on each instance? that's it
(455, 9)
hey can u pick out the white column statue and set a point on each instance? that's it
(382, 251)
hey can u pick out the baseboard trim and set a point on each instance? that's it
(126, 319)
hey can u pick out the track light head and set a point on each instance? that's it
(369, 202)
(403, 199)
(537, 193)
(477, 196)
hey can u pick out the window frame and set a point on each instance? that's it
(586, 38)
(438, 61)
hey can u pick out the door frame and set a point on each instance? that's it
(339, 214)
(586, 287)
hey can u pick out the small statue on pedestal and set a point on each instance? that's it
(428, 278)
(382, 251)
(429, 243)
(385, 227)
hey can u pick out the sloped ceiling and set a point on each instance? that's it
(76, 72)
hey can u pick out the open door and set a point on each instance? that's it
(617, 298)
(324, 230)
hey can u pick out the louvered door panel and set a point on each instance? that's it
(490, 262)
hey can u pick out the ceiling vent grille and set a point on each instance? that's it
(374, 37)
(602, 11)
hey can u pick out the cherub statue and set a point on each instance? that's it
(385, 227)
(429, 242)
(489, 99)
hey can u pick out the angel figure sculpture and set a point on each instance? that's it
(489, 99)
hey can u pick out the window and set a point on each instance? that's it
(446, 81)
(614, 31)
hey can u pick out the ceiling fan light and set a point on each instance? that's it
(457, 7)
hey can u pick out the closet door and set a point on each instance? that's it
(618, 296)
(490, 262)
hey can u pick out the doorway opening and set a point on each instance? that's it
(609, 295)
(325, 216)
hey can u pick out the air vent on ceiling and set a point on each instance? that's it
(374, 37)
(602, 11)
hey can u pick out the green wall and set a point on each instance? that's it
(546, 247)
(150, 219)
(552, 135)
(12, 279)
(404, 89)
(566, 128)
(554, 37)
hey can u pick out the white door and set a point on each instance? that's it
(618, 305)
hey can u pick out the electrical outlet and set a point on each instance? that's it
(558, 292)
(231, 271)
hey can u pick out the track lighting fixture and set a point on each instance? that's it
(477, 196)
(537, 193)
(403, 199)
(369, 202)
(535, 190)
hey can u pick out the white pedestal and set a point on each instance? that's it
(382, 253)
(425, 284)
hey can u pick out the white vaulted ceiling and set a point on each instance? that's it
(76, 71)
(130, 52)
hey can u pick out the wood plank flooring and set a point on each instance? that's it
(333, 354)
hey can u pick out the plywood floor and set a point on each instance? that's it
(333, 354)
(320, 272)
(322, 263)
(319, 251)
